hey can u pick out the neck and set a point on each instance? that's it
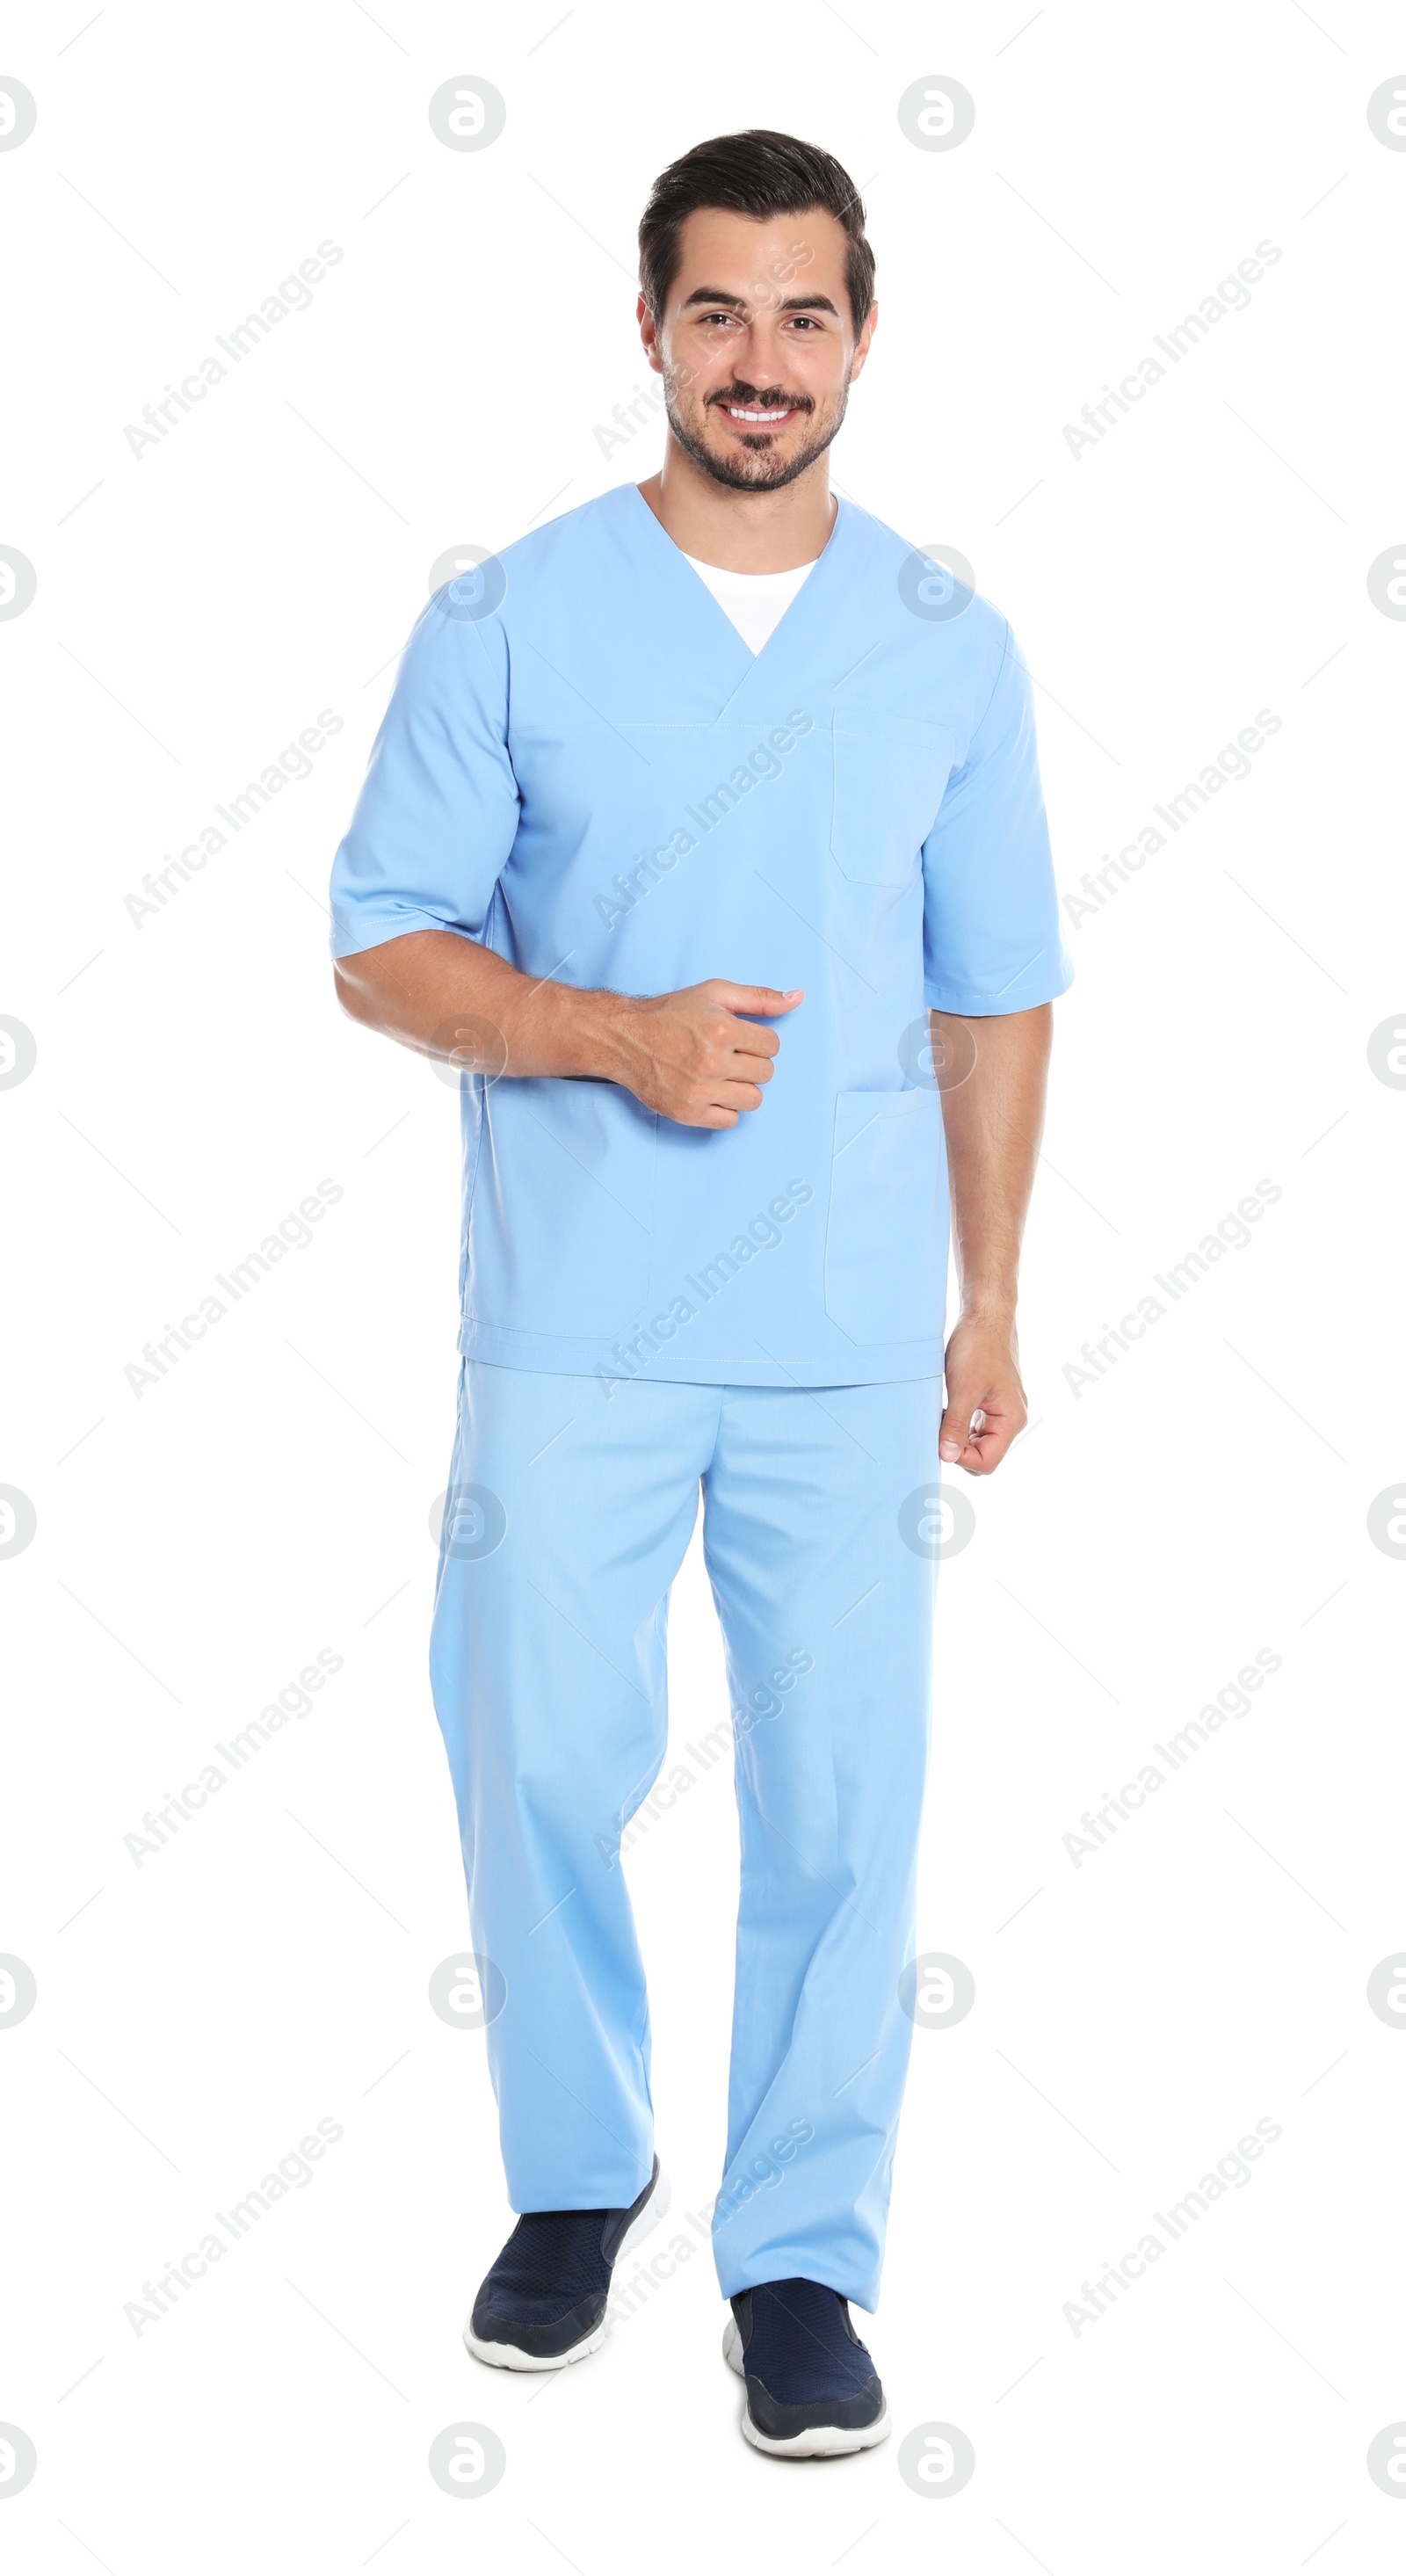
(741, 531)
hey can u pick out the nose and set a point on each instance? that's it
(758, 357)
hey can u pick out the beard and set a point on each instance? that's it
(757, 468)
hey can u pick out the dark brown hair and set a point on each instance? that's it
(759, 174)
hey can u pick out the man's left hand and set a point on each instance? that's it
(986, 1408)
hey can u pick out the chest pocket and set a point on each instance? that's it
(889, 782)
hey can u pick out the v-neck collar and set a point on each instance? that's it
(820, 571)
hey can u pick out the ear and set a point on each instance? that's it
(861, 346)
(649, 335)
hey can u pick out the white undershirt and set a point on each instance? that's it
(756, 602)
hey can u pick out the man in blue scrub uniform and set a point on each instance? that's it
(704, 833)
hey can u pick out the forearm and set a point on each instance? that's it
(446, 996)
(698, 1057)
(993, 1122)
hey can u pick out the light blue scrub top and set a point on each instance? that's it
(589, 772)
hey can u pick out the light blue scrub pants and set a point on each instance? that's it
(569, 1515)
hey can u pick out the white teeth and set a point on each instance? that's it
(735, 413)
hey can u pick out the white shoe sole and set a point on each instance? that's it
(823, 2442)
(510, 2356)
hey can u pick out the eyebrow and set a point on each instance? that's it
(738, 303)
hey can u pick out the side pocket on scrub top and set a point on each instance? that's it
(886, 1236)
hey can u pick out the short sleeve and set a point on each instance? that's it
(438, 811)
(992, 937)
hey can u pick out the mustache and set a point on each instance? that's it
(773, 399)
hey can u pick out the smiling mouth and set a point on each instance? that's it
(756, 417)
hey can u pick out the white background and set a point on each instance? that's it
(1207, 1497)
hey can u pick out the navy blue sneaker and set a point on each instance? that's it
(812, 2389)
(543, 2302)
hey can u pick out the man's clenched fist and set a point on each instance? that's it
(698, 1056)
